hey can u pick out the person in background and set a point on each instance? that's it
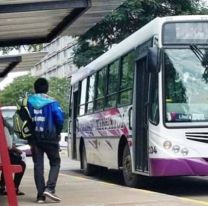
(17, 157)
(48, 117)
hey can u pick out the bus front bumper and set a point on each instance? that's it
(179, 167)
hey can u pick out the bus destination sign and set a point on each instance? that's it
(185, 33)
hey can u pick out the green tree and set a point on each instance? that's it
(59, 89)
(128, 18)
(16, 89)
(6, 50)
(29, 48)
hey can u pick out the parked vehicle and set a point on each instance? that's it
(63, 141)
(7, 113)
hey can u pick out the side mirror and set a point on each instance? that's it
(153, 65)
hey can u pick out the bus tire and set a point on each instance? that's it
(130, 179)
(87, 168)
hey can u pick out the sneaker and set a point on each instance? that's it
(41, 200)
(51, 195)
(18, 193)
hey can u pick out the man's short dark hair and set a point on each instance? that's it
(41, 85)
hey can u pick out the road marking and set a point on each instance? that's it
(193, 201)
(141, 190)
(74, 176)
(134, 189)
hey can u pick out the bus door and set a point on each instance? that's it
(140, 120)
(75, 101)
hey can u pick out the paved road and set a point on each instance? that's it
(106, 189)
(193, 189)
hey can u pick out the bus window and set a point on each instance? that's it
(83, 97)
(113, 81)
(90, 93)
(127, 71)
(185, 86)
(100, 89)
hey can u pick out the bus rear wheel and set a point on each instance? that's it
(87, 168)
(130, 179)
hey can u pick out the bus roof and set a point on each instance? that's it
(142, 35)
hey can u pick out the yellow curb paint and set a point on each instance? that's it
(107, 183)
(194, 201)
(135, 189)
(75, 177)
(141, 190)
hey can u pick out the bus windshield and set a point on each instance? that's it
(186, 85)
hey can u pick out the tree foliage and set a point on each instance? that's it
(29, 48)
(6, 50)
(16, 89)
(59, 89)
(128, 18)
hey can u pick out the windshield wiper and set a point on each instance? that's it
(199, 54)
(203, 58)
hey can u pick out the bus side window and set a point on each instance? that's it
(100, 89)
(113, 83)
(90, 93)
(153, 100)
(83, 97)
(126, 85)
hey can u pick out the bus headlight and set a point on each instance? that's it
(167, 144)
(176, 148)
(184, 151)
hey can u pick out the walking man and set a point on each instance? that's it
(48, 118)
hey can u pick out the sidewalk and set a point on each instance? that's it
(79, 191)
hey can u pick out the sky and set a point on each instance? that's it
(10, 77)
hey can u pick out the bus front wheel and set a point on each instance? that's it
(88, 169)
(130, 179)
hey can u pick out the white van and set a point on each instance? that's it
(63, 141)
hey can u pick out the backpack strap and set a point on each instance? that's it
(24, 104)
(24, 101)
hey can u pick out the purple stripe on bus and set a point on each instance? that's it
(174, 167)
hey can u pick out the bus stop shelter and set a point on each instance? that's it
(8, 63)
(39, 21)
(24, 22)
(20, 62)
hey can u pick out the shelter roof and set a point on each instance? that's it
(21, 62)
(98, 10)
(38, 21)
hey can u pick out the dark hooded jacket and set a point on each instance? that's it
(48, 117)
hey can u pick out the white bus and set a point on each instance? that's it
(142, 107)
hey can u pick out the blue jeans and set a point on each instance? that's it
(52, 152)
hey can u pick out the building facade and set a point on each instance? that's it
(59, 60)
